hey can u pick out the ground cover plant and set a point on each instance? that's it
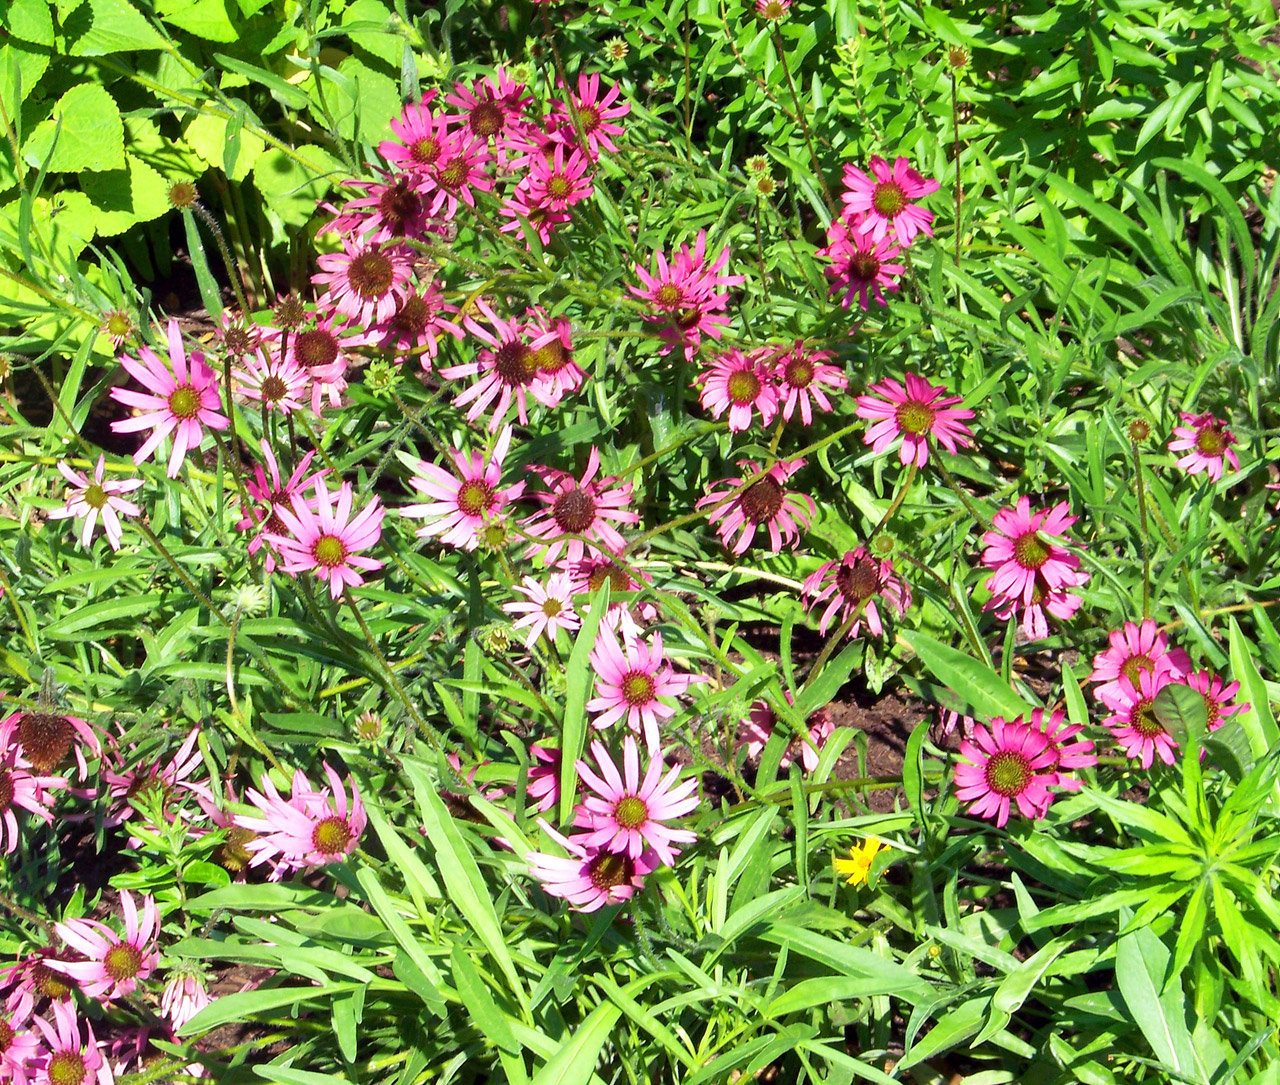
(694, 542)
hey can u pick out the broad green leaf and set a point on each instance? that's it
(291, 189)
(1258, 722)
(243, 1005)
(117, 27)
(975, 683)
(574, 1063)
(1182, 711)
(126, 196)
(90, 135)
(208, 19)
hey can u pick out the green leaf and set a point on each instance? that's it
(287, 93)
(481, 1006)
(575, 1062)
(239, 1007)
(950, 1031)
(123, 197)
(368, 13)
(208, 19)
(853, 961)
(117, 27)
(291, 189)
(103, 615)
(1181, 709)
(913, 768)
(30, 20)
(1258, 722)
(90, 135)
(977, 684)
(573, 729)
(819, 691)
(207, 136)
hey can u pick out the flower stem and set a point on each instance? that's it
(827, 649)
(1142, 526)
(959, 491)
(899, 497)
(804, 123)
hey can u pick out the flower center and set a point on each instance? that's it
(6, 789)
(914, 417)
(1008, 773)
(889, 199)
(619, 579)
(514, 364)
(371, 274)
(49, 983)
(122, 961)
(574, 511)
(425, 151)
(453, 176)
(331, 836)
(238, 341)
(45, 739)
(6, 1035)
(631, 812)
(274, 389)
(858, 581)
(475, 497)
(1135, 665)
(1211, 442)
(315, 348)
(184, 402)
(773, 9)
(798, 372)
(398, 204)
(863, 267)
(608, 869)
(551, 358)
(637, 688)
(552, 608)
(329, 551)
(65, 1068)
(95, 496)
(1029, 551)
(761, 501)
(1142, 718)
(668, 296)
(411, 319)
(487, 119)
(743, 386)
(232, 854)
(1212, 712)
(590, 117)
(559, 186)
(118, 324)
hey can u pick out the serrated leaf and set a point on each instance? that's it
(117, 27)
(89, 131)
(126, 196)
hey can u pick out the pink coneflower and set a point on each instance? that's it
(69, 1058)
(1134, 649)
(418, 324)
(544, 777)
(596, 114)
(686, 295)
(1217, 698)
(762, 721)
(184, 996)
(1134, 725)
(772, 10)
(421, 135)
(321, 347)
(624, 619)
(520, 205)
(329, 539)
(582, 508)
(558, 182)
(630, 680)
(589, 878)
(626, 814)
(391, 208)
(311, 828)
(1207, 442)
(279, 384)
(91, 499)
(459, 173)
(46, 737)
(21, 788)
(951, 718)
(19, 1045)
(800, 375)
(270, 494)
(1034, 620)
(126, 780)
(546, 608)
(765, 504)
(490, 107)
(851, 586)
(888, 200)
(1069, 751)
(462, 504)
(365, 281)
(115, 965)
(1021, 551)
(181, 402)
(1011, 762)
(914, 413)
(551, 354)
(859, 264)
(741, 384)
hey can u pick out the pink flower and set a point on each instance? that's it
(184, 996)
(181, 402)
(20, 787)
(591, 877)
(116, 965)
(596, 114)
(272, 494)
(741, 384)
(1207, 442)
(365, 281)
(772, 10)
(390, 209)
(32, 978)
(1217, 698)
(521, 205)
(860, 264)
(544, 777)
(686, 295)
(850, 588)
(1134, 725)
(1021, 551)
(463, 504)
(20, 1047)
(459, 173)
(46, 737)
(888, 200)
(800, 375)
(161, 778)
(421, 137)
(913, 413)
(763, 504)
(418, 324)
(762, 721)
(68, 1056)
(626, 815)
(97, 498)
(1011, 762)
(321, 349)
(583, 509)
(491, 107)
(557, 183)
(279, 384)
(630, 680)
(1035, 622)
(309, 829)
(329, 539)
(1070, 752)
(1134, 649)
(546, 609)
(551, 347)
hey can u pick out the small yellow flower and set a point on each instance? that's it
(857, 865)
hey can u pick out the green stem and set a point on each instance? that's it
(959, 491)
(896, 504)
(804, 123)
(1142, 525)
